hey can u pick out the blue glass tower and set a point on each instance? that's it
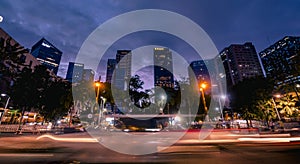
(47, 54)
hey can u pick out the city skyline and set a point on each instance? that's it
(230, 22)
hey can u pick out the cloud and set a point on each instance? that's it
(68, 23)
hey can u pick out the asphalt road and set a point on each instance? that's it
(27, 149)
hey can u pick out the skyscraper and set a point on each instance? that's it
(75, 72)
(122, 73)
(240, 61)
(199, 70)
(163, 68)
(111, 64)
(88, 75)
(281, 60)
(47, 54)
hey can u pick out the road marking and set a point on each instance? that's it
(25, 155)
(67, 139)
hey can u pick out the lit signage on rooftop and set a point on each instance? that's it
(159, 49)
(46, 45)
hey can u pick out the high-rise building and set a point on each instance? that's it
(240, 62)
(200, 71)
(75, 72)
(281, 60)
(122, 71)
(47, 54)
(111, 64)
(88, 75)
(163, 68)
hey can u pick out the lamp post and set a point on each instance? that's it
(98, 84)
(162, 103)
(296, 90)
(7, 101)
(220, 105)
(6, 104)
(277, 96)
(100, 109)
(202, 87)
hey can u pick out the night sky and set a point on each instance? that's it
(67, 23)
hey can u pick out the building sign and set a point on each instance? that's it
(46, 45)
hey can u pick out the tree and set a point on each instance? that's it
(139, 98)
(11, 57)
(267, 111)
(287, 105)
(58, 100)
(245, 97)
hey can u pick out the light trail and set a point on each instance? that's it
(269, 140)
(92, 140)
(259, 135)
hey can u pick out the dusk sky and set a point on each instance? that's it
(68, 23)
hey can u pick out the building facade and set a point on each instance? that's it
(163, 68)
(199, 71)
(240, 62)
(122, 71)
(111, 64)
(88, 75)
(75, 72)
(47, 54)
(281, 60)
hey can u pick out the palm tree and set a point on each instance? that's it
(268, 112)
(287, 105)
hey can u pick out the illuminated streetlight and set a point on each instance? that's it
(6, 104)
(7, 101)
(221, 106)
(97, 84)
(101, 108)
(202, 87)
(163, 97)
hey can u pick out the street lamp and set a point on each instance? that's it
(97, 84)
(162, 103)
(296, 90)
(7, 101)
(277, 96)
(100, 109)
(202, 87)
(6, 104)
(221, 106)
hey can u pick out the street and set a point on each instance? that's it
(81, 148)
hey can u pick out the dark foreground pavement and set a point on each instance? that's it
(27, 149)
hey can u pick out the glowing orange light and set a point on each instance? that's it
(203, 85)
(97, 84)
